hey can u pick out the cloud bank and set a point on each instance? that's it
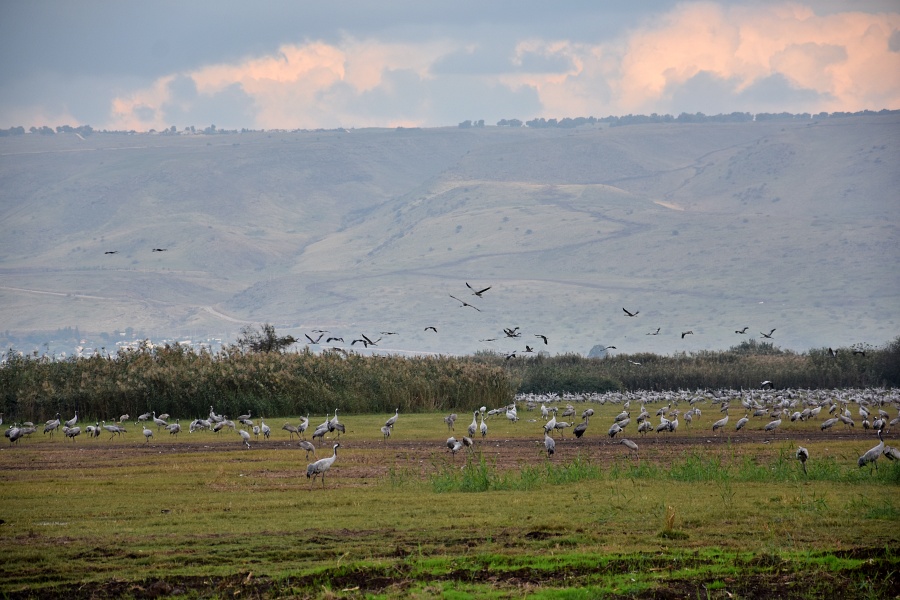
(695, 57)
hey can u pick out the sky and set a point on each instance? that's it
(289, 64)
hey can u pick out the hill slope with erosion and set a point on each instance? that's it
(704, 227)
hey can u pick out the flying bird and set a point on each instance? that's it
(314, 341)
(528, 348)
(655, 332)
(684, 333)
(477, 292)
(464, 303)
(513, 333)
(432, 328)
(741, 331)
(160, 249)
(334, 339)
(111, 252)
(543, 337)
(628, 313)
(768, 336)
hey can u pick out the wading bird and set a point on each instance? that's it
(308, 447)
(768, 336)
(321, 466)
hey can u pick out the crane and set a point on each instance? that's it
(390, 422)
(148, 433)
(549, 444)
(473, 427)
(308, 447)
(321, 466)
(483, 426)
(245, 436)
(721, 423)
(872, 455)
(71, 422)
(291, 429)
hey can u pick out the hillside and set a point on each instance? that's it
(703, 227)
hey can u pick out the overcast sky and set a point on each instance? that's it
(294, 64)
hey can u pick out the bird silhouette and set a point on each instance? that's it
(513, 333)
(432, 328)
(528, 348)
(160, 249)
(477, 292)
(334, 339)
(768, 336)
(628, 313)
(684, 333)
(463, 303)
(543, 337)
(741, 331)
(111, 252)
(314, 341)
(655, 332)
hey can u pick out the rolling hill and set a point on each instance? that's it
(703, 227)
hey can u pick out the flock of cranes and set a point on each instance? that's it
(557, 413)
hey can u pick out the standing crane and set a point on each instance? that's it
(321, 466)
(148, 433)
(549, 444)
(390, 422)
(721, 423)
(872, 455)
(483, 426)
(473, 427)
(308, 446)
(245, 436)
(71, 422)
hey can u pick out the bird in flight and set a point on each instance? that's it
(528, 348)
(684, 333)
(488, 340)
(464, 303)
(510, 356)
(513, 333)
(631, 314)
(768, 336)
(314, 341)
(543, 337)
(388, 333)
(111, 252)
(655, 332)
(160, 249)
(432, 328)
(477, 292)
(334, 339)
(741, 331)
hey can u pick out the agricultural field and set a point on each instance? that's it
(689, 514)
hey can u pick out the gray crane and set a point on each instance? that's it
(741, 422)
(291, 429)
(245, 436)
(454, 445)
(321, 466)
(629, 444)
(549, 444)
(872, 455)
(720, 423)
(266, 430)
(71, 432)
(159, 422)
(148, 433)
(551, 424)
(828, 423)
(71, 422)
(386, 432)
(308, 447)
(803, 456)
(772, 425)
(450, 420)
(473, 427)
(52, 425)
(304, 424)
(581, 428)
(613, 430)
(483, 426)
(390, 422)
